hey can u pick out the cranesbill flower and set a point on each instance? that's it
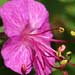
(26, 24)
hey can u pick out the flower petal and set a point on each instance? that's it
(41, 66)
(16, 54)
(44, 58)
(18, 15)
(37, 14)
(15, 17)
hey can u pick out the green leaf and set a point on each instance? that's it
(70, 69)
(70, 25)
(70, 9)
(67, 1)
(2, 2)
(57, 72)
(1, 29)
(73, 59)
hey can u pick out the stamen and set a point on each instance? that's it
(72, 33)
(59, 54)
(47, 62)
(64, 62)
(61, 29)
(62, 41)
(40, 63)
(43, 47)
(68, 55)
(36, 62)
(60, 50)
(58, 41)
(23, 69)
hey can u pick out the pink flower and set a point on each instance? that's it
(26, 23)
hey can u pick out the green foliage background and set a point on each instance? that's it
(62, 13)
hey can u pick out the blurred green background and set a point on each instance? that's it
(62, 14)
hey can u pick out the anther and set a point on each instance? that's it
(61, 29)
(68, 55)
(23, 69)
(64, 62)
(72, 33)
(60, 50)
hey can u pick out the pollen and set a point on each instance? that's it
(69, 53)
(72, 33)
(61, 29)
(63, 62)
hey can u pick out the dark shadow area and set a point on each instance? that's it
(1, 23)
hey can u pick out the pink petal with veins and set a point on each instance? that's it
(16, 53)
